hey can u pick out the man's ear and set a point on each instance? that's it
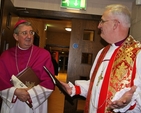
(15, 36)
(116, 23)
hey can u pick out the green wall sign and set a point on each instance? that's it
(75, 4)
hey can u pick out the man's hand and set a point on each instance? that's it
(68, 88)
(22, 94)
(124, 100)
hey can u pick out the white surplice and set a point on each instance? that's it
(38, 94)
(84, 85)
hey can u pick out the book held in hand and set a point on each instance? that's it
(25, 79)
(28, 77)
(59, 85)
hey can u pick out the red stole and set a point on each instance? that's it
(103, 53)
(104, 91)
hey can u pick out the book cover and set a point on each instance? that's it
(28, 77)
(60, 86)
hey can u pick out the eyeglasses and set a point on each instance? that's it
(25, 33)
(103, 21)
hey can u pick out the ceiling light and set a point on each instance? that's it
(68, 29)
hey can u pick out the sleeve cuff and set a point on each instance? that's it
(77, 90)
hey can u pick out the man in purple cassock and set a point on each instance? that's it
(16, 59)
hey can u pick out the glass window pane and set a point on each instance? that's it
(86, 58)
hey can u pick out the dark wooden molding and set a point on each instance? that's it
(47, 14)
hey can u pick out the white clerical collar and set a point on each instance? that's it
(113, 45)
(22, 48)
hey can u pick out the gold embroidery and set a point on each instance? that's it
(121, 73)
(29, 84)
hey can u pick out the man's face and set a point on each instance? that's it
(106, 26)
(25, 36)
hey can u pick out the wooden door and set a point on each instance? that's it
(7, 18)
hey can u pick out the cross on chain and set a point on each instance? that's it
(99, 78)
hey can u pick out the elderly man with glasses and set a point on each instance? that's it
(115, 77)
(13, 61)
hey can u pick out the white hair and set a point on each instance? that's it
(121, 13)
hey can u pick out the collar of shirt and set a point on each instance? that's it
(120, 42)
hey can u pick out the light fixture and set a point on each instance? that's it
(46, 27)
(68, 29)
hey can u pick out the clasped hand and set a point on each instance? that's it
(22, 94)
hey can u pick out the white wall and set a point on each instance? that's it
(136, 21)
(93, 6)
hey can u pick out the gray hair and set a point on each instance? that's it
(16, 30)
(121, 13)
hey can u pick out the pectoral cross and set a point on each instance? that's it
(99, 78)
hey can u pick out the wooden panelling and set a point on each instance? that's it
(77, 70)
(75, 67)
(7, 13)
(8, 20)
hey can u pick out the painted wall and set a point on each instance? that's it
(136, 21)
(93, 6)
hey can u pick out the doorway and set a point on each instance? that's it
(63, 63)
(58, 41)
